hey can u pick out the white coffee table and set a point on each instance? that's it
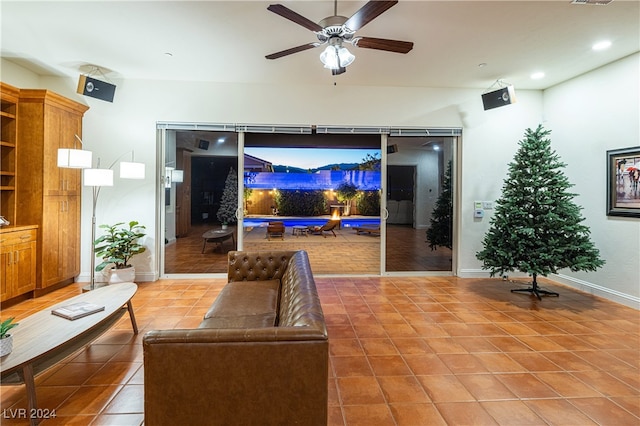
(43, 339)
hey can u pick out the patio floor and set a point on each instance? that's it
(347, 253)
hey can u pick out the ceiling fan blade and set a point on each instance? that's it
(383, 44)
(368, 13)
(289, 14)
(292, 50)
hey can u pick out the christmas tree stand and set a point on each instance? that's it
(534, 289)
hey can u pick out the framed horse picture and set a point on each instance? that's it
(623, 182)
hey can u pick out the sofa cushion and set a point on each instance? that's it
(244, 304)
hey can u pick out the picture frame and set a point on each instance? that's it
(623, 182)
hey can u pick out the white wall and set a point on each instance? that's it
(589, 115)
(489, 138)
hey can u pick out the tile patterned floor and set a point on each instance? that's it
(406, 249)
(403, 351)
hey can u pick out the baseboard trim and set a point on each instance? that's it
(581, 285)
(100, 278)
(597, 290)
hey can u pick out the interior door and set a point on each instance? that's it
(419, 210)
(183, 193)
(200, 184)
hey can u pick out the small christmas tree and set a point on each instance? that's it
(229, 202)
(439, 233)
(536, 227)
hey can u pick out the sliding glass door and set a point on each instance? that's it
(418, 199)
(313, 192)
(365, 201)
(200, 179)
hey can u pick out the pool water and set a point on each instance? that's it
(347, 222)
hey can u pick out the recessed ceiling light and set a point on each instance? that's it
(220, 140)
(482, 65)
(169, 54)
(601, 45)
(537, 75)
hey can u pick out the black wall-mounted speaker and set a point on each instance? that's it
(89, 86)
(392, 148)
(498, 98)
(203, 144)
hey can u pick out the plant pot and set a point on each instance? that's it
(125, 275)
(224, 226)
(6, 345)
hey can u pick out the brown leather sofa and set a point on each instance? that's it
(259, 357)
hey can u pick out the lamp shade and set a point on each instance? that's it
(129, 170)
(336, 56)
(98, 177)
(74, 158)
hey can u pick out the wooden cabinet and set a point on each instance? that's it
(8, 150)
(50, 196)
(61, 258)
(17, 261)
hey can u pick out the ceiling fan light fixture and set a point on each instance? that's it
(335, 57)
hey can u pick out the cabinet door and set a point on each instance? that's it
(61, 128)
(60, 239)
(18, 263)
(69, 228)
(6, 271)
(51, 268)
(24, 264)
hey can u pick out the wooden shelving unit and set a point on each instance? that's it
(8, 150)
(50, 198)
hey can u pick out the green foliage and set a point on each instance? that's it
(370, 162)
(5, 326)
(368, 203)
(118, 245)
(537, 228)
(249, 177)
(440, 231)
(300, 203)
(346, 191)
(229, 202)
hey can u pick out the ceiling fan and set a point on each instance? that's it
(336, 30)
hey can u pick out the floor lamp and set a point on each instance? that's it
(97, 178)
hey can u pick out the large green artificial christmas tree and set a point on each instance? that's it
(537, 228)
(439, 232)
(229, 202)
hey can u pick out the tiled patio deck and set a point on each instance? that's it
(348, 253)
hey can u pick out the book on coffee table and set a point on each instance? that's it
(77, 310)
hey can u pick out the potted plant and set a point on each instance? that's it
(6, 340)
(116, 248)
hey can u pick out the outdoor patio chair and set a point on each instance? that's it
(275, 230)
(327, 227)
(367, 229)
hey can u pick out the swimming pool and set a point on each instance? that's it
(346, 221)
